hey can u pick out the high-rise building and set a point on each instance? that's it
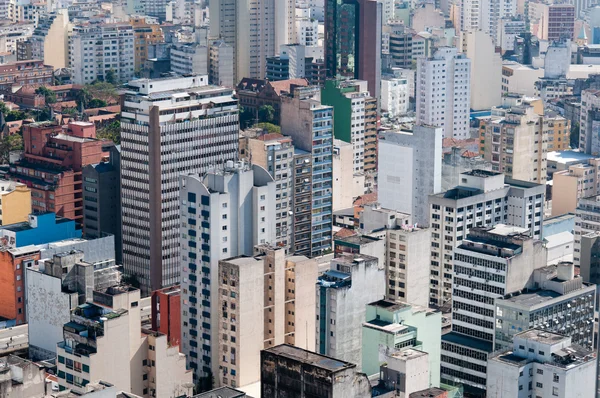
(52, 165)
(444, 92)
(476, 15)
(394, 97)
(102, 200)
(310, 125)
(544, 364)
(97, 50)
(486, 69)
(50, 40)
(353, 41)
(220, 64)
(399, 45)
(275, 153)
(250, 27)
(517, 144)
(144, 35)
(491, 263)
(189, 59)
(483, 199)
(556, 22)
(224, 214)
(104, 341)
(570, 186)
(343, 292)
(168, 127)
(589, 141)
(586, 221)
(264, 301)
(410, 169)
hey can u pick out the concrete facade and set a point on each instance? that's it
(15, 202)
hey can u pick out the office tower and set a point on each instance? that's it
(310, 125)
(223, 214)
(517, 144)
(396, 327)
(264, 301)
(556, 22)
(275, 153)
(250, 27)
(559, 302)
(353, 41)
(50, 40)
(343, 291)
(97, 49)
(589, 142)
(102, 200)
(491, 263)
(394, 96)
(483, 199)
(287, 370)
(486, 69)
(444, 93)
(220, 64)
(15, 202)
(545, 364)
(586, 222)
(161, 139)
(399, 48)
(410, 169)
(52, 165)
(348, 98)
(104, 341)
(189, 58)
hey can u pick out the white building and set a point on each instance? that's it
(444, 93)
(394, 96)
(160, 136)
(489, 264)
(104, 341)
(480, 15)
(543, 364)
(508, 29)
(264, 301)
(224, 214)
(189, 59)
(343, 293)
(410, 169)
(482, 199)
(12, 33)
(220, 64)
(346, 186)
(307, 31)
(587, 220)
(486, 69)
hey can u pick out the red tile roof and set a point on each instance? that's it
(366, 199)
(344, 233)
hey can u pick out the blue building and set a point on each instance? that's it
(39, 229)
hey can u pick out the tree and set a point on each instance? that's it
(270, 127)
(204, 384)
(9, 143)
(15, 115)
(3, 108)
(83, 97)
(111, 132)
(49, 95)
(96, 103)
(266, 114)
(111, 77)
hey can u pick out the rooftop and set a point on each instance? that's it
(391, 306)
(222, 392)
(310, 358)
(568, 156)
(532, 299)
(357, 240)
(432, 392)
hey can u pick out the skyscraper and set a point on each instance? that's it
(443, 92)
(353, 40)
(168, 127)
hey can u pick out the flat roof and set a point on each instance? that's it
(222, 392)
(567, 156)
(311, 358)
(532, 299)
(389, 305)
(468, 342)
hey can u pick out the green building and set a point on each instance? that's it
(401, 326)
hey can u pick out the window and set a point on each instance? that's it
(556, 379)
(540, 371)
(539, 385)
(555, 391)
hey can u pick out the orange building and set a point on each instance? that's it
(52, 163)
(166, 309)
(143, 35)
(13, 263)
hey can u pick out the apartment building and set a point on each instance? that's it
(569, 186)
(97, 49)
(310, 125)
(589, 142)
(224, 214)
(490, 263)
(104, 340)
(444, 92)
(220, 64)
(189, 58)
(52, 34)
(169, 126)
(144, 35)
(544, 363)
(275, 153)
(22, 73)
(264, 301)
(587, 220)
(483, 199)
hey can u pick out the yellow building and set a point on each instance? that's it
(143, 35)
(558, 132)
(15, 202)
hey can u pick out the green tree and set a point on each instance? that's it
(97, 103)
(111, 77)
(48, 94)
(111, 132)
(246, 117)
(266, 114)
(83, 97)
(9, 143)
(15, 115)
(3, 108)
(270, 127)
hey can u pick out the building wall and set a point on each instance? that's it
(170, 374)
(486, 70)
(16, 206)
(564, 193)
(166, 314)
